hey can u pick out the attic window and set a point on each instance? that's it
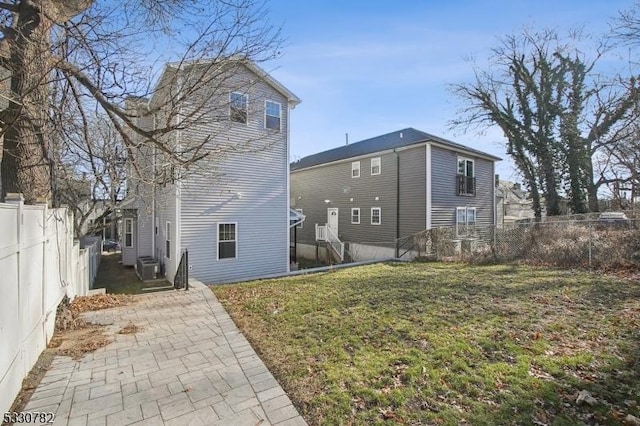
(355, 169)
(238, 107)
(272, 113)
(375, 166)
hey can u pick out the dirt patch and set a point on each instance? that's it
(73, 337)
(130, 328)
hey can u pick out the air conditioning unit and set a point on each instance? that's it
(147, 268)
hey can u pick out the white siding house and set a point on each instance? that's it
(230, 210)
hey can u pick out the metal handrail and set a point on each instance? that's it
(181, 279)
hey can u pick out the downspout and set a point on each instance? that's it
(288, 196)
(154, 211)
(397, 201)
(178, 246)
(428, 187)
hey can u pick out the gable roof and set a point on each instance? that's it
(397, 139)
(171, 68)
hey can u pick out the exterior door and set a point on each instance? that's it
(332, 219)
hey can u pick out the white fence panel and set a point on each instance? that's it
(39, 265)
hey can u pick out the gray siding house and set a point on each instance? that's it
(231, 209)
(373, 192)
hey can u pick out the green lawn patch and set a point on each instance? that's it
(117, 278)
(434, 343)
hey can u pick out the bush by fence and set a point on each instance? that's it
(40, 263)
(584, 243)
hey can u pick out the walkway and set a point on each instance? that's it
(187, 365)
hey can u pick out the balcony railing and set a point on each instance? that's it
(466, 185)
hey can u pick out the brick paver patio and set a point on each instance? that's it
(187, 365)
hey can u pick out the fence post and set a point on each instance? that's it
(590, 237)
(45, 280)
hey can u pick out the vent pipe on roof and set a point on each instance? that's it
(400, 135)
(346, 137)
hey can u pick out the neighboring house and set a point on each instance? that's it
(230, 210)
(371, 193)
(512, 203)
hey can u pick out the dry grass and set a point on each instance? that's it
(448, 343)
(130, 328)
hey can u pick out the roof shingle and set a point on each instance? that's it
(397, 139)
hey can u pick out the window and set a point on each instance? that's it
(272, 113)
(128, 232)
(238, 108)
(227, 247)
(375, 166)
(376, 216)
(465, 217)
(167, 241)
(355, 215)
(466, 180)
(355, 169)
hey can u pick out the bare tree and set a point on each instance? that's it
(68, 61)
(556, 114)
(89, 171)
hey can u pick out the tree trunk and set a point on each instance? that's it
(576, 185)
(25, 166)
(592, 189)
(550, 180)
(27, 56)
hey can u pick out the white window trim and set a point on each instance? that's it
(379, 166)
(379, 215)
(130, 220)
(167, 239)
(473, 166)
(355, 165)
(246, 123)
(279, 129)
(466, 223)
(218, 241)
(475, 215)
(353, 209)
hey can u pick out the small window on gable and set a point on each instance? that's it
(355, 215)
(355, 169)
(272, 115)
(238, 107)
(167, 237)
(375, 166)
(376, 215)
(128, 232)
(227, 241)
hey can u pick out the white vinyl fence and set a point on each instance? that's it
(40, 263)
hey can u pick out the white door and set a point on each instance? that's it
(332, 219)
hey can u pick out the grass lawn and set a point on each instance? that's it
(432, 343)
(116, 278)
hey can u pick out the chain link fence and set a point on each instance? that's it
(568, 242)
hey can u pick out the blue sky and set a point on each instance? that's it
(372, 67)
